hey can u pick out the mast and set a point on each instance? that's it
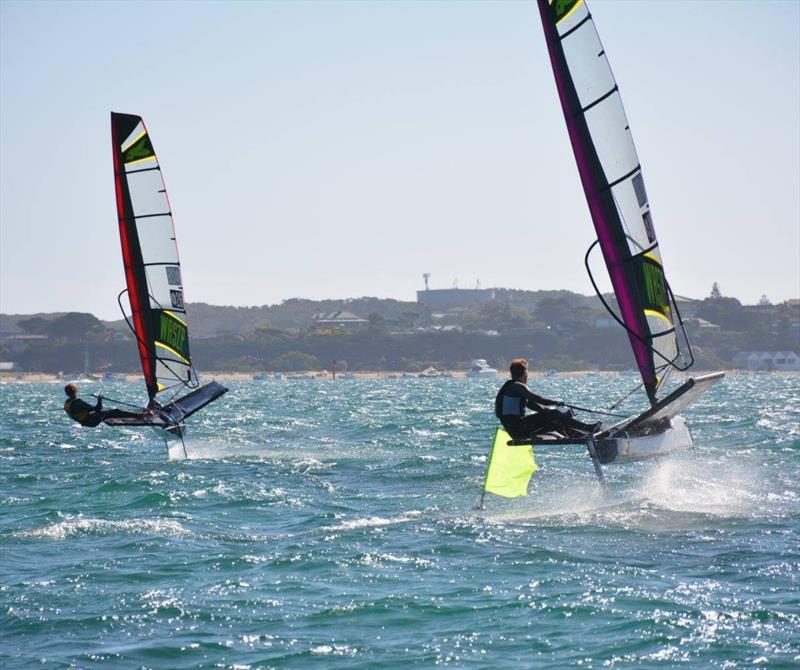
(612, 183)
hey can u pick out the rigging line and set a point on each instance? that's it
(626, 396)
(642, 250)
(594, 411)
(683, 329)
(165, 361)
(188, 384)
(620, 321)
(664, 378)
(118, 402)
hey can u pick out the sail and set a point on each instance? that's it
(150, 256)
(613, 184)
(509, 468)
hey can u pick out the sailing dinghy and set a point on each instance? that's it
(614, 188)
(154, 284)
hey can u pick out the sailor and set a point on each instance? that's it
(88, 415)
(515, 396)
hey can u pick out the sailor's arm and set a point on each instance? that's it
(536, 402)
(79, 405)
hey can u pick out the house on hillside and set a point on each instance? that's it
(444, 298)
(342, 319)
(698, 325)
(18, 341)
(686, 306)
(786, 361)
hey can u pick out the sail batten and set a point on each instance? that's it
(150, 257)
(611, 176)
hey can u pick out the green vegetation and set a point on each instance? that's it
(553, 329)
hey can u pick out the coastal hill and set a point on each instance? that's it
(553, 329)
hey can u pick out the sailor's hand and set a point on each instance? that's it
(561, 403)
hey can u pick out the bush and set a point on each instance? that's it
(294, 361)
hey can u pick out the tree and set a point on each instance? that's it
(715, 292)
(377, 324)
(72, 326)
(36, 325)
(407, 318)
(765, 301)
(293, 361)
(554, 310)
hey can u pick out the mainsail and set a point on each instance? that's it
(150, 256)
(614, 188)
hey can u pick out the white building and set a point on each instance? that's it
(786, 361)
(341, 319)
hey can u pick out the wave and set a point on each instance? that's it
(89, 526)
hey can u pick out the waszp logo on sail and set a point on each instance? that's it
(172, 333)
(141, 149)
(656, 292)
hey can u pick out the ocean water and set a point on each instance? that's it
(331, 525)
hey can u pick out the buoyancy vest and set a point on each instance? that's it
(512, 406)
(507, 405)
(78, 415)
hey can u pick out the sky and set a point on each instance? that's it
(343, 149)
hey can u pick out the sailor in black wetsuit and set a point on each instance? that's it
(515, 396)
(88, 415)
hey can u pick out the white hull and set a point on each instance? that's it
(623, 448)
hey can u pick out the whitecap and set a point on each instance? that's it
(80, 526)
(372, 522)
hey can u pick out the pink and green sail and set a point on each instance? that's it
(613, 184)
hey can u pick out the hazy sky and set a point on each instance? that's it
(341, 149)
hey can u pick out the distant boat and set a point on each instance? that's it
(430, 373)
(480, 368)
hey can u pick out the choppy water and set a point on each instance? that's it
(321, 524)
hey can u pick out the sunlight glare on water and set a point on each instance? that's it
(331, 524)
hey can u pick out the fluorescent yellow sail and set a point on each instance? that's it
(510, 468)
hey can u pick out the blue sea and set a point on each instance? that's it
(321, 524)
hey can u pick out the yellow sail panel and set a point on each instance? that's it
(510, 468)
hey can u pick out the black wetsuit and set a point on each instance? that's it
(509, 406)
(91, 416)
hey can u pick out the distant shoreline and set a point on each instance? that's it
(12, 377)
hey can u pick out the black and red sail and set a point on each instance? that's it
(150, 256)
